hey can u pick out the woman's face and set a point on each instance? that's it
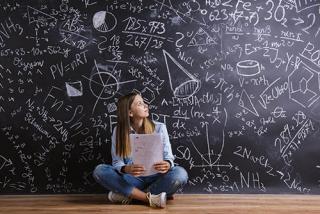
(138, 109)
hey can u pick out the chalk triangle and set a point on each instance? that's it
(201, 37)
(74, 89)
(245, 102)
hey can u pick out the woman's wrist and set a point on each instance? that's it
(123, 170)
(168, 162)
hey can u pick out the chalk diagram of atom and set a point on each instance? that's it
(103, 84)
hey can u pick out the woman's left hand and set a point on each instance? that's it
(162, 166)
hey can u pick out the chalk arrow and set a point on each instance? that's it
(298, 21)
(215, 165)
(4, 162)
(225, 165)
(209, 77)
(280, 173)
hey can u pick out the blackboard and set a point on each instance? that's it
(236, 82)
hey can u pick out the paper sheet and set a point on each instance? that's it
(147, 149)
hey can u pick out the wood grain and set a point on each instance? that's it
(182, 204)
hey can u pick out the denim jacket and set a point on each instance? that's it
(160, 128)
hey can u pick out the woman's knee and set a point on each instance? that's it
(180, 175)
(101, 171)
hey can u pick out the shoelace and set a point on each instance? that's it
(152, 204)
(149, 199)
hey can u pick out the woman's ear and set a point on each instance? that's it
(130, 114)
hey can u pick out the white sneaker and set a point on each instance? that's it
(118, 198)
(159, 200)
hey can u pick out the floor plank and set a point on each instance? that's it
(182, 204)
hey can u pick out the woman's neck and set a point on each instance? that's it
(137, 125)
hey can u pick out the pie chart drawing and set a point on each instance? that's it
(103, 85)
(104, 21)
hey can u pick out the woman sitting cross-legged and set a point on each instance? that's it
(124, 179)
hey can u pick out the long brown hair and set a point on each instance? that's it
(123, 148)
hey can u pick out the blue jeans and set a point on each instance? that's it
(112, 180)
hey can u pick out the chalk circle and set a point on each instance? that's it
(103, 85)
(204, 12)
(104, 21)
(248, 67)
(193, 5)
(187, 88)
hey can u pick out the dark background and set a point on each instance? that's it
(235, 81)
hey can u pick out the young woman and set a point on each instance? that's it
(124, 179)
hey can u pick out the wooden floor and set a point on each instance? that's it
(182, 204)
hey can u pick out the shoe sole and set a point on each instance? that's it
(163, 198)
(109, 196)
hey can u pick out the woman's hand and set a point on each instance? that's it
(162, 166)
(134, 169)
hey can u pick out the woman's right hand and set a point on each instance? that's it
(134, 169)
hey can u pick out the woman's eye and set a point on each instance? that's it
(141, 103)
